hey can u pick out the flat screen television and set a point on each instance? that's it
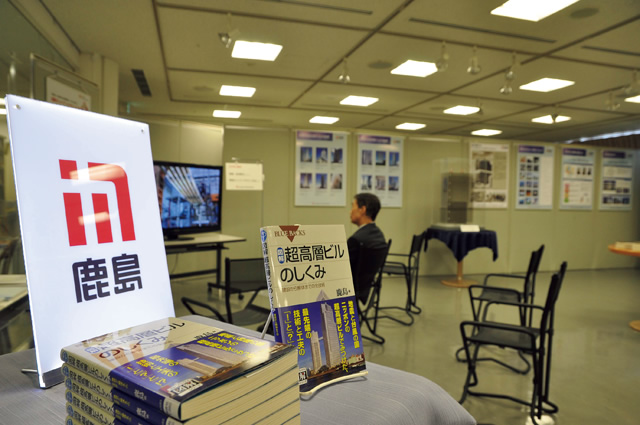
(190, 198)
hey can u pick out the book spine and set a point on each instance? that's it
(86, 366)
(89, 410)
(268, 267)
(90, 396)
(165, 405)
(77, 416)
(129, 411)
(98, 387)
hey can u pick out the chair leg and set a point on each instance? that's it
(406, 308)
(471, 379)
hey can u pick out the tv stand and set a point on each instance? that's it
(175, 237)
(212, 241)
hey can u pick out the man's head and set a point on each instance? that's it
(364, 208)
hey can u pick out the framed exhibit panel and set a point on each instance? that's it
(534, 171)
(616, 179)
(380, 166)
(576, 184)
(489, 167)
(321, 171)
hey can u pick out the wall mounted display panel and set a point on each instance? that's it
(321, 171)
(380, 165)
(489, 166)
(534, 170)
(576, 187)
(616, 179)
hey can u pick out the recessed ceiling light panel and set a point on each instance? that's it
(318, 119)
(238, 91)
(415, 69)
(222, 113)
(462, 110)
(531, 10)
(486, 132)
(546, 85)
(254, 50)
(548, 119)
(634, 99)
(359, 100)
(410, 126)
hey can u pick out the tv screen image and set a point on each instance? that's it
(189, 197)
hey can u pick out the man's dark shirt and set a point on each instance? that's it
(370, 236)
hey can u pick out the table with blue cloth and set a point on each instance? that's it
(460, 243)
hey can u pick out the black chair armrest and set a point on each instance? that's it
(522, 306)
(506, 275)
(399, 255)
(472, 288)
(189, 303)
(532, 333)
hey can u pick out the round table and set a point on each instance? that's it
(635, 324)
(460, 243)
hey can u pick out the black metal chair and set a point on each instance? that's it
(408, 266)
(532, 340)
(367, 278)
(481, 295)
(241, 276)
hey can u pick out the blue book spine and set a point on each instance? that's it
(130, 411)
(138, 393)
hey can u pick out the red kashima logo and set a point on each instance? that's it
(73, 203)
(289, 231)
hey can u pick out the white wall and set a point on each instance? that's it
(579, 237)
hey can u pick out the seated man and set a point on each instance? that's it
(364, 210)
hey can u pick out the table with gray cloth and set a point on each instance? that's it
(384, 396)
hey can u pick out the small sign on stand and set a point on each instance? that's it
(90, 223)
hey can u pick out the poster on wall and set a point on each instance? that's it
(616, 180)
(321, 171)
(489, 165)
(535, 177)
(576, 189)
(380, 163)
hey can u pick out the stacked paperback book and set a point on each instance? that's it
(174, 371)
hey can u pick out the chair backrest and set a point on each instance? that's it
(546, 322)
(369, 269)
(532, 271)
(243, 275)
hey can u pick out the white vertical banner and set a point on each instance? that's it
(534, 168)
(578, 170)
(380, 166)
(90, 224)
(616, 181)
(489, 166)
(321, 171)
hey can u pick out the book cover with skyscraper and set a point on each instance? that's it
(313, 301)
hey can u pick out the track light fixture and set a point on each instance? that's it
(474, 68)
(227, 38)
(443, 62)
(509, 76)
(610, 103)
(344, 75)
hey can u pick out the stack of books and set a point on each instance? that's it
(174, 371)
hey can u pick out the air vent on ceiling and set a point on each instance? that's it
(141, 80)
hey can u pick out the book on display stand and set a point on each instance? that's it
(313, 302)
